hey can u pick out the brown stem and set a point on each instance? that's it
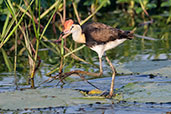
(34, 18)
(38, 57)
(83, 73)
(60, 16)
(61, 66)
(76, 12)
(64, 12)
(145, 11)
(53, 24)
(32, 83)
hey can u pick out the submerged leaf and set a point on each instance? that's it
(41, 98)
(95, 91)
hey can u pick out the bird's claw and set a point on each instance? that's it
(106, 94)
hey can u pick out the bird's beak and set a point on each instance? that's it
(66, 31)
(62, 35)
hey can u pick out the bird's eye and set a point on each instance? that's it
(71, 27)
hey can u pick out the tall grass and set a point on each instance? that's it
(20, 22)
(27, 23)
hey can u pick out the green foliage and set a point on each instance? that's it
(166, 3)
(7, 60)
(90, 2)
(3, 11)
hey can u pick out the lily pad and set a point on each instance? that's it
(162, 68)
(139, 88)
(148, 92)
(40, 98)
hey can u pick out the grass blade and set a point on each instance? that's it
(16, 26)
(90, 16)
(75, 50)
(7, 60)
(5, 26)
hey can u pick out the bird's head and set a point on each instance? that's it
(75, 29)
(70, 27)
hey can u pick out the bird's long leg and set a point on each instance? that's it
(113, 77)
(101, 68)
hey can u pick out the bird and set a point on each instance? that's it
(100, 38)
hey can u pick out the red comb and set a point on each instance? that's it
(68, 23)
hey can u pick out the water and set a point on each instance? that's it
(119, 108)
(144, 69)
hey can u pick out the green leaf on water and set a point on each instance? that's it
(129, 85)
(47, 97)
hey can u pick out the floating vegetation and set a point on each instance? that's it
(32, 52)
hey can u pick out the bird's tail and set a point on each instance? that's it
(130, 34)
(127, 34)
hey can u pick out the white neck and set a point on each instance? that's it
(77, 35)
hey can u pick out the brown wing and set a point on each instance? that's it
(101, 33)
